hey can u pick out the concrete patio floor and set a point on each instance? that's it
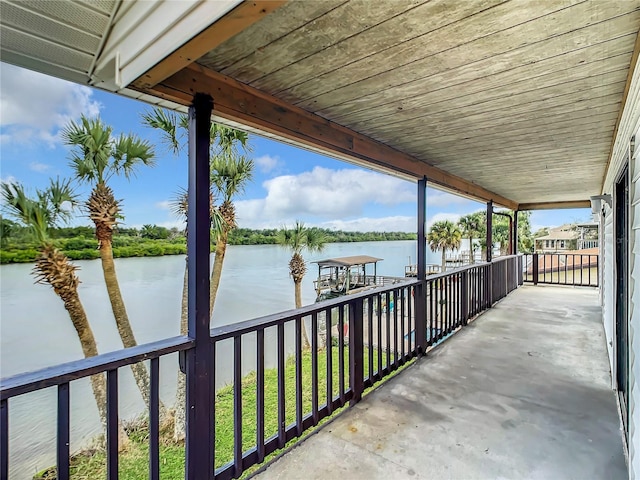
(522, 392)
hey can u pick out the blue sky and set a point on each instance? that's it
(289, 183)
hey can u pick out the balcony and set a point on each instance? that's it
(523, 392)
(518, 390)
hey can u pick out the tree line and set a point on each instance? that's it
(20, 245)
(446, 235)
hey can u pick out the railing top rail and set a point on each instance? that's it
(260, 323)
(63, 373)
(437, 276)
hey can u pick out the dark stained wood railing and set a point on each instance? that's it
(355, 342)
(576, 269)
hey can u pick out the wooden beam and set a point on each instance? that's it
(248, 106)
(555, 205)
(632, 67)
(234, 22)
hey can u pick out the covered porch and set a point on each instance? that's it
(521, 392)
(524, 105)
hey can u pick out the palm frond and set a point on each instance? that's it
(61, 198)
(129, 152)
(228, 141)
(43, 211)
(230, 174)
(92, 143)
(179, 203)
(172, 125)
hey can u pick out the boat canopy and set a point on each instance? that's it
(347, 261)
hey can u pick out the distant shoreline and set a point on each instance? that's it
(82, 247)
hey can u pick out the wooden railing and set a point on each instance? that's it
(576, 269)
(355, 342)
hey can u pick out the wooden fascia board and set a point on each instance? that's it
(237, 20)
(555, 205)
(632, 66)
(248, 106)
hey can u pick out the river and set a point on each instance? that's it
(35, 331)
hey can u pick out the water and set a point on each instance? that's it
(35, 331)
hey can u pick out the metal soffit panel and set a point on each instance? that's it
(520, 97)
(54, 36)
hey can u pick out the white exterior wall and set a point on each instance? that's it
(634, 312)
(629, 126)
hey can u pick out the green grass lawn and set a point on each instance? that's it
(134, 462)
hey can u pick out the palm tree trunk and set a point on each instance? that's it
(472, 257)
(89, 348)
(297, 282)
(444, 260)
(180, 418)
(216, 272)
(122, 319)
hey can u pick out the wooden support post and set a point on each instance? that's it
(514, 236)
(489, 237)
(464, 296)
(421, 289)
(489, 242)
(200, 415)
(356, 349)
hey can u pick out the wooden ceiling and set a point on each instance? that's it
(516, 101)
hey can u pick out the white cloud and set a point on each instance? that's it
(39, 167)
(323, 193)
(10, 179)
(267, 163)
(164, 205)
(443, 199)
(439, 217)
(34, 107)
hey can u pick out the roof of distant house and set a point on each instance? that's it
(564, 232)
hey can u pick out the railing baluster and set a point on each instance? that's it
(370, 336)
(4, 439)
(449, 305)
(402, 299)
(433, 321)
(388, 328)
(237, 405)
(329, 343)
(260, 396)
(112, 424)
(379, 372)
(63, 438)
(341, 354)
(298, 358)
(314, 367)
(281, 393)
(396, 306)
(154, 419)
(212, 386)
(411, 325)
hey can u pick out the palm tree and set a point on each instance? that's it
(230, 172)
(298, 239)
(96, 158)
(229, 177)
(52, 266)
(444, 235)
(224, 142)
(471, 226)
